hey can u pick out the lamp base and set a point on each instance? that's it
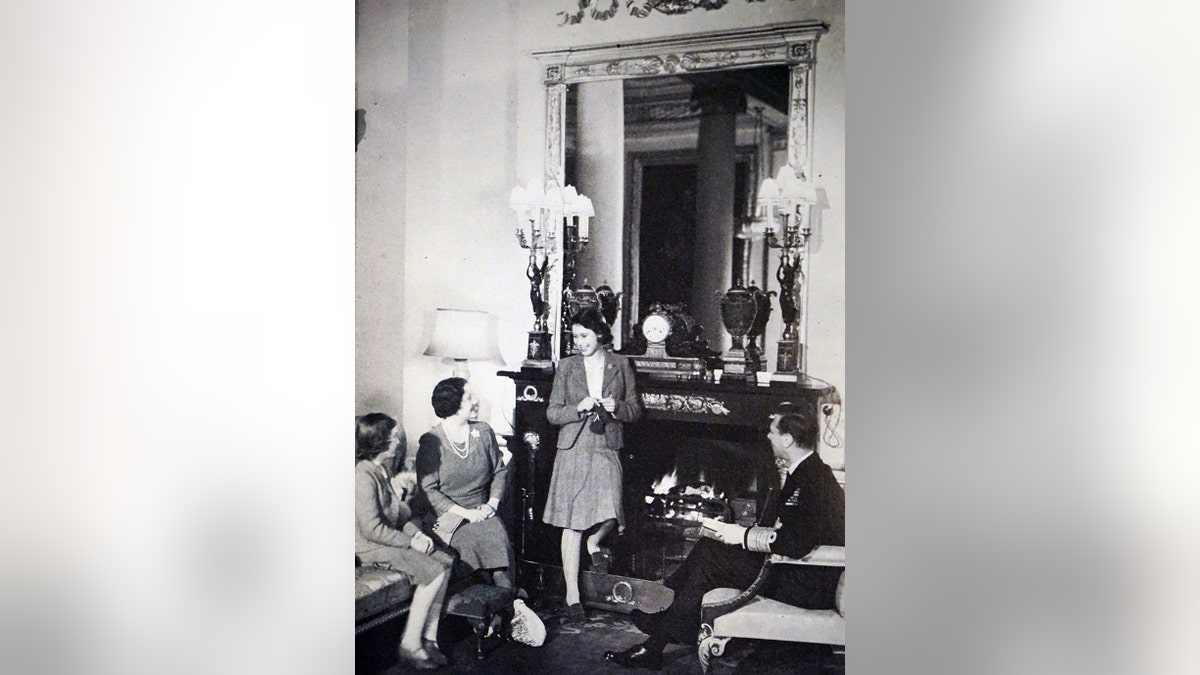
(787, 365)
(539, 353)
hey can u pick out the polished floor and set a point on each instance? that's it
(581, 650)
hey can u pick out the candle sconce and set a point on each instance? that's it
(540, 212)
(791, 200)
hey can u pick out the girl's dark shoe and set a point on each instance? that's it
(574, 615)
(600, 562)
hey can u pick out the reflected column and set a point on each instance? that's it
(717, 150)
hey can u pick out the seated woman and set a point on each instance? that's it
(386, 535)
(463, 475)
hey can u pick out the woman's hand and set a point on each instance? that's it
(421, 543)
(608, 403)
(586, 404)
(475, 515)
(487, 511)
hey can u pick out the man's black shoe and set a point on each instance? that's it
(636, 657)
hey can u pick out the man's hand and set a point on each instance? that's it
(421, 543)
(726, 533)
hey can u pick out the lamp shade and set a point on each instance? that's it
(464, 335)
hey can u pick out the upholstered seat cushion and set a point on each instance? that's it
(376, 590)
(766, 619)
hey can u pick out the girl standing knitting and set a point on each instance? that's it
(594, 393)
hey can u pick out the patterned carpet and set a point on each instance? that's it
(581, 650)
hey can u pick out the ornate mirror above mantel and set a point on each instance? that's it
(759, 82)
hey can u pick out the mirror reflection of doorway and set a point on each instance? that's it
(666, 125)
(663, 222)
(667, 217)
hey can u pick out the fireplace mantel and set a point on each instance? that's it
(728, 403)
(733, 403)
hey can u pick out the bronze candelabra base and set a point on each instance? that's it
(539, 353)
(790, 360)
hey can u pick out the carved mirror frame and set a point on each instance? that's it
(793, 44)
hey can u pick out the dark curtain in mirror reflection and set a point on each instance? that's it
(668, 232)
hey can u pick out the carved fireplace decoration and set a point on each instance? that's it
(684, 403)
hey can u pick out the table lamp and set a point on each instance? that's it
(462, 335)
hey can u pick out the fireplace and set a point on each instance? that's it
(675, 476)
(700, 450)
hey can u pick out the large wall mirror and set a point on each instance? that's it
(670, 138)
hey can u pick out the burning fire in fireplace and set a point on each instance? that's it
(670, 501)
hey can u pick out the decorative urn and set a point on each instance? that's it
(739, 308)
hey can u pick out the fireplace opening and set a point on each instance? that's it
(672, 481)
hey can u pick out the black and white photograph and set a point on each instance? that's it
(599, 313)
(655, 318)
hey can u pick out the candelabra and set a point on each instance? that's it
(540, 213)
(791, 200)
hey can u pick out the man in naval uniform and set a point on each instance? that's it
(808, 511)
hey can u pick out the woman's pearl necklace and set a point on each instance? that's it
(461, 450)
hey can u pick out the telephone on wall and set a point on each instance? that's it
(830, 406)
